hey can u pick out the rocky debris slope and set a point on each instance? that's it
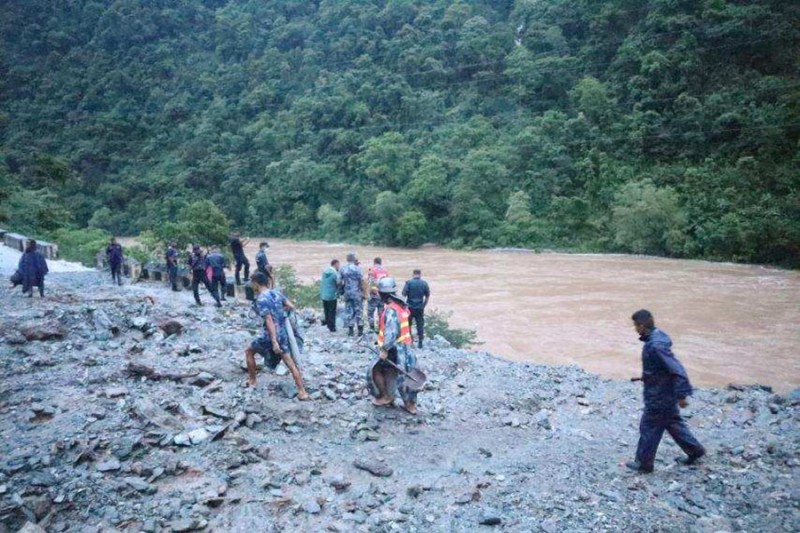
(123, 412)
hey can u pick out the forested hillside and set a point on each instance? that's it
(663, 126)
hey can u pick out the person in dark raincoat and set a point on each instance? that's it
(666, 389)
(115, 257)
(33, 268)
(394, 341)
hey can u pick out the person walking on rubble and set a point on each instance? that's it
(32, 268)
(237, 247)
(394, 342)
(217, 263)
(352, 282)
(197, 261)
(171, 258)
(115, 258)
(273, 343)
(666, 387)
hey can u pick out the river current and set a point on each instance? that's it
(729, 323)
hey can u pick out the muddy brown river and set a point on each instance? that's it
(729, 323)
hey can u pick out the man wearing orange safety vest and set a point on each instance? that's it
(394, 342)
(374, 304)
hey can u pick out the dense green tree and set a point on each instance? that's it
(515, 123)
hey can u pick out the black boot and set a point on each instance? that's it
(360, 331)
(690, 459)
(420, 343)
(350, 331)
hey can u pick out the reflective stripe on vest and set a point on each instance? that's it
(405, 328)
(378, 272)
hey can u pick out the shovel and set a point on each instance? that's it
(416, 376)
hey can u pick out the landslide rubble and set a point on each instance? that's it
(122, 409)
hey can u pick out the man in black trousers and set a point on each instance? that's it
(666, 387)
(417, 293)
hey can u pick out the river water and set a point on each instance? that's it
(729, 323)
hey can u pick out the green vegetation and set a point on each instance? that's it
(301, 294)
(661, 126)
(81, 246)
(438, 323)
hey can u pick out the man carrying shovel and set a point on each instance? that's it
(273, 343)
(390, 373)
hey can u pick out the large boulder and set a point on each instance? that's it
(43, 331)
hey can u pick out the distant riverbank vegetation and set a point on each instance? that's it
(665, 127)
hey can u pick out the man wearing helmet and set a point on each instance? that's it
(394, 341)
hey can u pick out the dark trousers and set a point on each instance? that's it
(218, 284)
(29, 288)
(198, 277)
(419, 316)
(241, 261)
(116, 272)
(329, 306)
(651, 429)
(173, 276)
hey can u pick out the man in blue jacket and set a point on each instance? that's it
(217, 262)
(666, 387)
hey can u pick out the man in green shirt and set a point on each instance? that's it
(329, 292)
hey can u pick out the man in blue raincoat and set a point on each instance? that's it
(32, 268)
(666, 389)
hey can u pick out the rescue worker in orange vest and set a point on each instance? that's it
(394, 342)
(374, 304)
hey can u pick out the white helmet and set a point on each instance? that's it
(387, 285)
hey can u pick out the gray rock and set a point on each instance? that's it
(490, 517)
(109, 465)
(43, 331)
(338, 482)
(171, 327)
(312, 507)
(116, 392)
(187, 524)
(198, 436)
(139, 484)
(375, 468)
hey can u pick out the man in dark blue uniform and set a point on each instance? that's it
(115, 257)
(417, 293)
(172, 265)
(197, 261)
(666, 387)
(216, 261)
(262, 263)
(237, 247)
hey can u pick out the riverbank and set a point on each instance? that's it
(730, 323)
(89, 440)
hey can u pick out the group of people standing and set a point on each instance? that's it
(350, 283)
(208, 269)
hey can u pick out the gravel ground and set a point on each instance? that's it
(90, 441)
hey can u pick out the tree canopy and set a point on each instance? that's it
(660, 126)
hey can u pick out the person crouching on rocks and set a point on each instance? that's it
(273, 343)
(394, 341)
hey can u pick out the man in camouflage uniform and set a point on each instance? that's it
(374, 304)
(352, 280)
